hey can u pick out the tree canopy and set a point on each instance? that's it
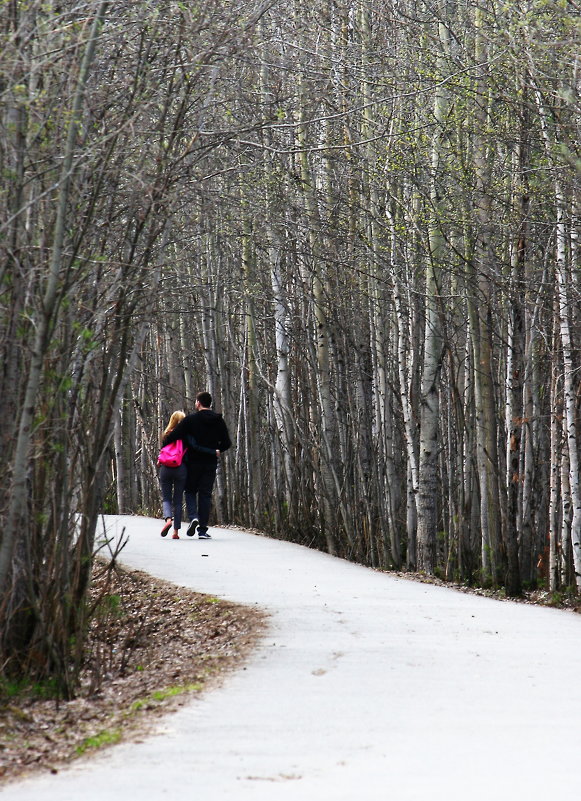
(356, 223)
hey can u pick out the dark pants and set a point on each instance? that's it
(172, 481)
(199, 486)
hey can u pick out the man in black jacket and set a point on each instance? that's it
(206, 436)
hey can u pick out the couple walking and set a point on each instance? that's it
(205, 436)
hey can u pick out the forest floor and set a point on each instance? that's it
(152, 646)
(559, 599)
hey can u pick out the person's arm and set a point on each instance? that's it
(191, 443)
(179, 432)
(225, 441)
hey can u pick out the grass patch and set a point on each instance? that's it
(171, 692)
(105, 737)
(17, 688)
(162, 695)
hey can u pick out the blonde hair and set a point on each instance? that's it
(176, 418)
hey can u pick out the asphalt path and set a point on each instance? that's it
(365, 687)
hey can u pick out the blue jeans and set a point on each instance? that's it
(172, 481)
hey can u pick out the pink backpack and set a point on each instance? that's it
(172, 455)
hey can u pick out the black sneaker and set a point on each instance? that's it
(192, 527)
(203, 535)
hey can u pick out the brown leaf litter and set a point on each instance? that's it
(152, 647)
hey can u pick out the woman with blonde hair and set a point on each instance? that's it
(172, 481)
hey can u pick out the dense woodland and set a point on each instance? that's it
(355, 222)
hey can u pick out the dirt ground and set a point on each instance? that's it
(152, 647)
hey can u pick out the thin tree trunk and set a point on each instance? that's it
(381, 405)
(554, 481)
(410, 428)
(323, 337)
(569, 385)
(16, 514)
(282, 400)
(490, 511)
(570, 368)
(427, 506)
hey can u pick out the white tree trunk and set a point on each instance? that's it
(282, 399)
(570, 387)
(554, 487)
(433, 340)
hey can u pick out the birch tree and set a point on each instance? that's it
(433, 341)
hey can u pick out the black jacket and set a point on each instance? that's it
(204, 433)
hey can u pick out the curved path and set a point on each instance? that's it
(365, 687)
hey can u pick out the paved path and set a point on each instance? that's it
(366, 687)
